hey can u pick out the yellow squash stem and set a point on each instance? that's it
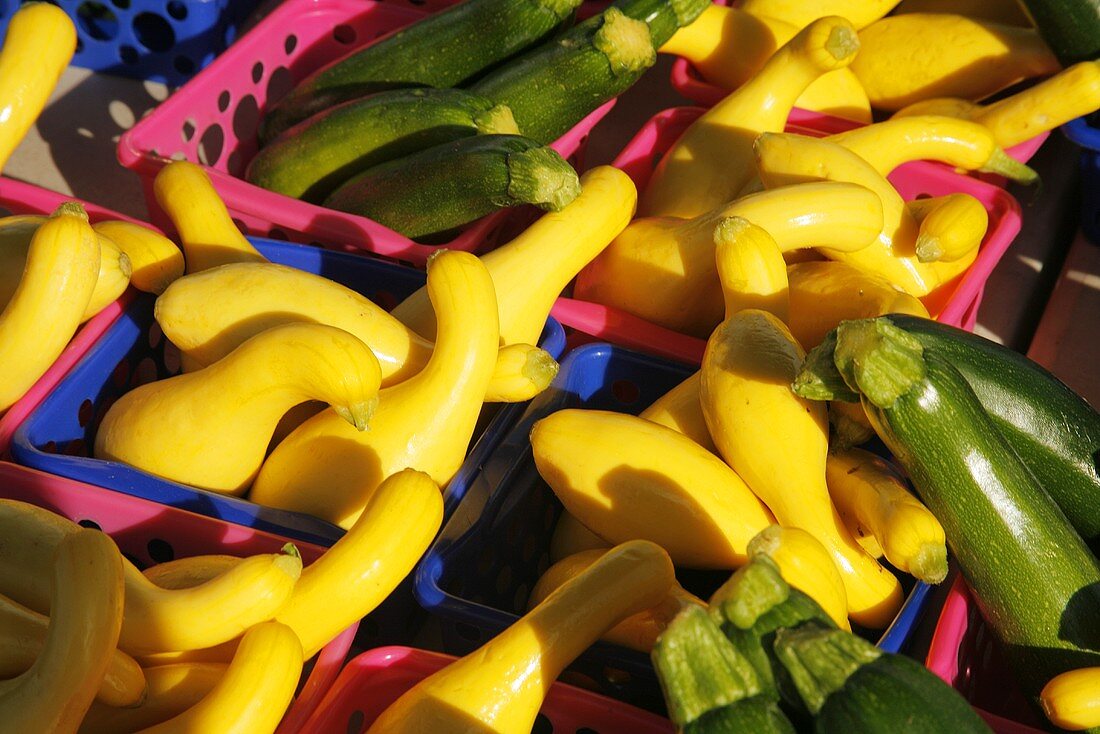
(638, 631)
(680, 495)
(154, 259)
(664, 269)
(870, 492)
(777, 442)
(951, 227)
(328, 469)
(909, 58)
(522, 371)
(532, 270)
(805, 565)
(39, 43)
(54, 694)
(712, 160)
(500, 687)
(212, 427)
(254, 692)
(170, 690)
(800, 12)
(206, 231)
(1072, 700)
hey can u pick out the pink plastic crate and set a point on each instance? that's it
(212, 120)
(964, 653)
(638, 160)
(23, 198)
(687, 82)
(149, 533)
(372, 681)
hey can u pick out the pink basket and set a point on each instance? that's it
(964, 653)
(23, 198)
(149, 533)
(687, 82)
(640, 157)
(372, 681)
(213, 120)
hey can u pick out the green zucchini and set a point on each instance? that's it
(664, 17)
(310, 160)
(430, 193)
(708, 687)
(852, 686)
(1070, 27)
(444, 49)
(553, 87)
(1036, 582)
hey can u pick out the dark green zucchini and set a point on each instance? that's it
(1036, 582)
(708, 687)
(432, 192)
(444, 49)
(1070, 27)
(310, 160)
(852, 686)
(664, 17)
(553, 87)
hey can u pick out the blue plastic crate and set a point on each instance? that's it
(162, 40)
(1088, 137)
(479, 572)
(57, 437)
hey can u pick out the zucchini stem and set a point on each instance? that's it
(819, 379)
(541, 177)
(878, 359)
(755, 589)
(625, 42)
(820, 660)
(497, 120)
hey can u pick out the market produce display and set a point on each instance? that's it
(750, 532)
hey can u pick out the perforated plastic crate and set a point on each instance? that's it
(478, 574)
(1084, 133)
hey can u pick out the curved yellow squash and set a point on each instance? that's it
(638, 631)
(532, 270)
(778, 443)
(206, 231)
(211, 428)
(807, 566)
(951, 227)
(627, 478)
(909, 58)
(185, 573)
(54, 694)
(751, 268)
(664, 269)
(39, 44)
(170, 690)
(1072, 700)
(800, 12)
(154, 259)
(712, 160)
(328, 469)
(679, 410)
(571, 537)
(501, 686)
(114, 276)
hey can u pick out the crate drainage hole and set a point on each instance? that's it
(153, 32)
(97, 21)
(160, 550)
(356, 722)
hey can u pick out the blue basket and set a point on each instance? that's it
(479, 572)
(162, 40)
(1085, 135)
(57, 437)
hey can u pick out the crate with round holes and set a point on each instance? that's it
(160, 40)
(1085, 132)
(370, 682)
(213, 120)
(476, 577)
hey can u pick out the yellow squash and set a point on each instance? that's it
(39, 43)
(532, 270)
(638, 631)
(751, 268)
(824, 293)
(206, 231)
(50, 300)
(727, 46)
(850, 426)
(951, 227)
(800, 12)
(254, 692)
(155, 260)
(807, 566)
(31, 536)
(521, 372)
(170, 690)
(571, 537)
(54, 694)
(1072, 700)
(211, 428)
(869, 491)
(328, 469)
(628, 478)
(184, 573)
(712, 160)
(1067, 95)
(909, 58)
(1008, 12)
(679, 410)
(23, 633)
(499, 688)
(664, 269)
(777, 442)
(113, 278)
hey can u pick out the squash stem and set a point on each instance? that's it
(819, 379)
(541, 177)
(540, 368)
(930, 563)
(878, 359)
(497, 120)
(928, 248)
(1005, 165)
(625, 42)
(820, 660)
(754, 590)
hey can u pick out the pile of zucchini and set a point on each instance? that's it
(450, 118)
